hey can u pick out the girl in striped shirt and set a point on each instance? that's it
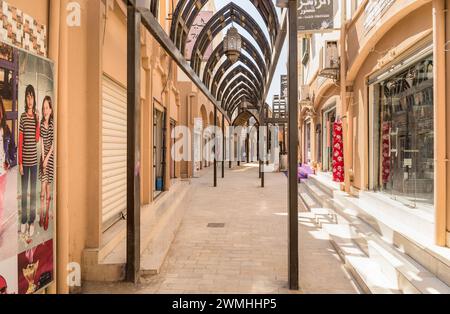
(28, 161)
(46, 171)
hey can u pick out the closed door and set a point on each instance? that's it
(114, 151)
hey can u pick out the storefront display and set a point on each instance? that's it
(27, 170)
(406, 122)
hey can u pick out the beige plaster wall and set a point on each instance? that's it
(400, 37)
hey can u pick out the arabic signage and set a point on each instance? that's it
(374, 11)
(200, 21)
(315, 15)
(27, 171)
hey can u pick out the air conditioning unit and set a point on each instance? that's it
(305, 93)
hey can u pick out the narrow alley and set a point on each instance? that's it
(233, 239)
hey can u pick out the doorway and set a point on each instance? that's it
(159, 151)
(307, 141)
(329, 118)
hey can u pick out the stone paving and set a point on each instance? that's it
(247, 255)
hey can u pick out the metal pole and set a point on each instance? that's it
(215, 148)
(258, 156)
(223, 146)
(247, 147)
(133, 146)
(293, 148)
(264, 144)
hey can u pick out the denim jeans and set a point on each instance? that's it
(29, 178)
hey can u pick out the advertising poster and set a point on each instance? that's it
(27, 171)
(315, 15)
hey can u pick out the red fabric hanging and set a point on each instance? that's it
(338, 152)
(386, 164)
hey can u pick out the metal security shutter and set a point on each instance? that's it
(114, 152)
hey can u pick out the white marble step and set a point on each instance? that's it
(400, 272)
(367, 273)
(433, 262)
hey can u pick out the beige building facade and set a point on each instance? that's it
(90, 61)
(389, 92)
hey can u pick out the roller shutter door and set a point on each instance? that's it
(114, 152)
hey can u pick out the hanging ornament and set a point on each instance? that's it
(232, 44)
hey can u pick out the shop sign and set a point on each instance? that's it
(200, 22)
(27, 171)
(315, 15)
(374, 11)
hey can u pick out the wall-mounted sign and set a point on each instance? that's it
(27, 171)
(374, 11)
(202, 18)
(315, 15)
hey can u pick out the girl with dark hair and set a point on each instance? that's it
(28, 161)
(5, 162)
(46, 170)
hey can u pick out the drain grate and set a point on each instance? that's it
(216, 225)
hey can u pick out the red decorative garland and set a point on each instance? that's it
(338, 152)
(386, 164)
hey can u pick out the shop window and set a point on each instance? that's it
(403, 113)
(306, 42)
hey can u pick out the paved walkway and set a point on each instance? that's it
(248, 254)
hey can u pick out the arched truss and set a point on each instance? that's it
(244, 117)
(234, 75)
(246, 80)
(236, 104)
(230, 13)
(219, 52)
(228, 64)
(232, 107)
(235, 89)
(241, 83)
(249, 96)
(231, 76)
(186, 12)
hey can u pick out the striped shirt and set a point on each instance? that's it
(47, 136)
(29, 128)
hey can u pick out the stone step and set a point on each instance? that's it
(324, 183)
(366, 272)
(320, 198)
(398, 268)
(159, 222)
(379, 243)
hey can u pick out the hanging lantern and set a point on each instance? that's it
(244, 104)
(232, 44)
